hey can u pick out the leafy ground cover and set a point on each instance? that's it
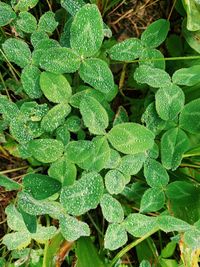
(104, 137)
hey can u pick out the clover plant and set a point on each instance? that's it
(83, 153)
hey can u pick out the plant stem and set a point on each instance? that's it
(130, 246)
(14, 170)
(158, 59)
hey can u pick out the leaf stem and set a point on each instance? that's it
(130, 246)
(158, 59)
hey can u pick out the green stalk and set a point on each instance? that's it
(158, 59)
(130, 246)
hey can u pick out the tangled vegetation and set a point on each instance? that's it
(112, 157)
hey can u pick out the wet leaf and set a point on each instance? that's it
(169, 223)
(154, 77)
(40, 186)
(169, 102)
(187, 76)
(72, 229)
(131, 138)
(111, 209)
(83, 195)
(26, 22)
(72, 6)
(55, 117)
(96, 73)
(131, 164)
(8, 183)
(156, 33)
(155, 174)
(192, 238)
(7, 14)
(153, 58)
(138, 225)
(47, 22)
(87, 31)
(30, 80)
(46, 150)
(94, 115)
(152, 200)
(64, 171)
(127, 50)
(59, 60)
(115, 236)
(190, 117)
(25, 5)
(174, 143)
(115, 181)
(17, 51)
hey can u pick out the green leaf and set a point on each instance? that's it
(14, 219)
(155, 174)
(115, 182)
(41, 186)
(37, 37)
(154, 77)
(187, 76)
(138, 225)
(127, 50)
(79, 151)
(156, 33)
(87, 254)
(101, 153)
(94, 115)
(62, 134)
(169, 224)
(55, 87)
(111, 209)
(152, 120)
(46, 150)
(60, 60)
(169, 102)
(9, 184)
(44, 234)
(39, 207)
(64, 171)
(121, 116)
(190, 117)
(73, 123)
(72, 6)
(192, 239)
(96, 73)
(18, 240)
(152, 200)
(115, 236)
(30, 221)
(26, 22)
(168, 250)
(7, 14)
(131, 164)
(193, 14)
(87, 31)
(114, 160)
(83, 195)
(40, 48)
(192, 38)
(47, 22)
(25, 5)
(8, 108)
(23, 130)
(55, 117)
(145, 263)
(72, 229)
(30, 80)
(148, 57)
(174, 143)
(131, 138)
(17, 51)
